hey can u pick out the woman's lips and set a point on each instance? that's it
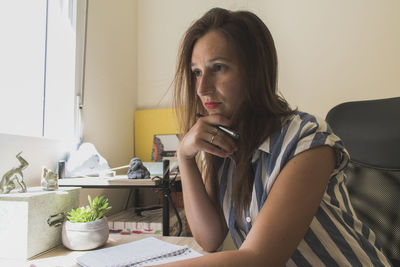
(212, 105)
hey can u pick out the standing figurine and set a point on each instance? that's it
(49, 179)
(7, 181)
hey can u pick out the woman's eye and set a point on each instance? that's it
(197, 73)
(218, 67)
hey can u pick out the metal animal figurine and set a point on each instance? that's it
(49, 179)
(14, 175)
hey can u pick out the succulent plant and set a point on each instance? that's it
(96, 210)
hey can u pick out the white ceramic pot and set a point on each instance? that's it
(85, 236)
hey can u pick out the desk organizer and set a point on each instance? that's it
(24, 229)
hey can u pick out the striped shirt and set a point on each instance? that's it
(335, 236)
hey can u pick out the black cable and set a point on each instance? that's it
(129, 198)
(176, 213)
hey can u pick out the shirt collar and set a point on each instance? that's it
(264, 147)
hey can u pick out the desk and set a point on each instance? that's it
(60, 256)
(119, 181)
(122, 181)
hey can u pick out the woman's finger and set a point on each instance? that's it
(215, 150)
(220, 140)
(204, 136)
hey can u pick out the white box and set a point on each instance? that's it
(24, 231)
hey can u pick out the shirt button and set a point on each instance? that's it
(248, 219)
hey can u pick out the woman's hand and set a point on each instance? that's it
(205, 136)
(202, 208)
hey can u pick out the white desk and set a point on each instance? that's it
(117, 181)
(62, 257)
(122, 181)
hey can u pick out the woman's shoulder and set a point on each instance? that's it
(298, 132)
(302, 131)
(300, 123)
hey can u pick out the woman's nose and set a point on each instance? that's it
(205, 84)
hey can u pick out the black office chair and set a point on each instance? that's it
(370, 131)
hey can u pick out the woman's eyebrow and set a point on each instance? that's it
(219, 58)
(210, 61)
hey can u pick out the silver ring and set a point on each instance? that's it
(212, 138)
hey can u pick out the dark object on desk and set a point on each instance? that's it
(61, 169)
(370, 131)
(137, 170)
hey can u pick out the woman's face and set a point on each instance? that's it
(219, 81)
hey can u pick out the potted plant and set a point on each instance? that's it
(86, 227)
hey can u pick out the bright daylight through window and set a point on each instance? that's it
(41, 66)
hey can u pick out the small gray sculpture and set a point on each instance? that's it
(15, 174)
(137, 170)
(49, 179)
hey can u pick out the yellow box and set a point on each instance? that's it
(148, 123)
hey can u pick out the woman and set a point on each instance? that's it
(279, 189)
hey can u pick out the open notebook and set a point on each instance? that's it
(144, 252)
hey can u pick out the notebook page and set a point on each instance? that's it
(188, 254)
(128, 254)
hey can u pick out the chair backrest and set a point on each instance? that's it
(370, 131)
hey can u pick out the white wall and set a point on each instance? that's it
(329, 51)
(110, 81)
(110, 100)
(110, 86)
(37, 151)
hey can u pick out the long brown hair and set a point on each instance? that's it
(262, 107)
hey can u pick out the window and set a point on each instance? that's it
(41, 66)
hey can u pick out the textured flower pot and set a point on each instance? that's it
(85, 236)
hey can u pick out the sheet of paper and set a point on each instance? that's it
(136, 253)
(189, 253)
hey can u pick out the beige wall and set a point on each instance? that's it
(110, 81)
(110, 85)
(329, 51)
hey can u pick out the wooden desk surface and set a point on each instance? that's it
(119, 180)
(62, 257)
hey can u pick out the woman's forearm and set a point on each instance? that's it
(205, 222)
(232, 258)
